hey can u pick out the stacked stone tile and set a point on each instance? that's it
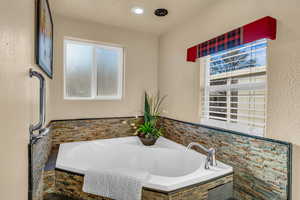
(70, 184)
(261, 167)
(39, 155)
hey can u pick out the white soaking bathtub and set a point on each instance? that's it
(170, 165)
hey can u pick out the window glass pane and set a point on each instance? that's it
(239, 61)
(107, 61)
(78, 70)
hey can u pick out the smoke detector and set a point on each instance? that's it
(161, 12)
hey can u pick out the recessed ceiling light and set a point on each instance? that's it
(137, 10)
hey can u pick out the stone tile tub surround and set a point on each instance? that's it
(90, 129)
(70, 184)
(169, 164)
(249, 181)
(262, 167)
(39, 152)
(68, 131)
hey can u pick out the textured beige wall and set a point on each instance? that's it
(141, 60)
(19, 95)
(177, 78)
(180, 79)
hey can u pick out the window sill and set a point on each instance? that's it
(93, 99)
(259, 132)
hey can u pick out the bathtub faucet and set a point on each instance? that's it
(210, 159)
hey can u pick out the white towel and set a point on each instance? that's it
(118, 184)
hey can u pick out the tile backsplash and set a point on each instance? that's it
(39, 152)
(261, 166)
(70, 131)
(90, 129)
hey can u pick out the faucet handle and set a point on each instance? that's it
(212, 157)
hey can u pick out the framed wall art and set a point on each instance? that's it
(44, 37)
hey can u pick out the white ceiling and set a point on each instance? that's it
(118, 12)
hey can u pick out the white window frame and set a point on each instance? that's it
(223, 124)
(94, 96)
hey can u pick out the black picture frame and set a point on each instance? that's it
(44, 37)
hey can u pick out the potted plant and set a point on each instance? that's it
(149, 131)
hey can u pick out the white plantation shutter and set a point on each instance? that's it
(234, 90)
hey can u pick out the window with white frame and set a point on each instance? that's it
(234, 88)
(92, 71)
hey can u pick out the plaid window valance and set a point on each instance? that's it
(259, 29)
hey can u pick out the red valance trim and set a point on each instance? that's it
(192, 54)
(259, 29)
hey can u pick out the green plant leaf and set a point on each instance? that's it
(147, 116)
(151, 114)
(149, 129)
